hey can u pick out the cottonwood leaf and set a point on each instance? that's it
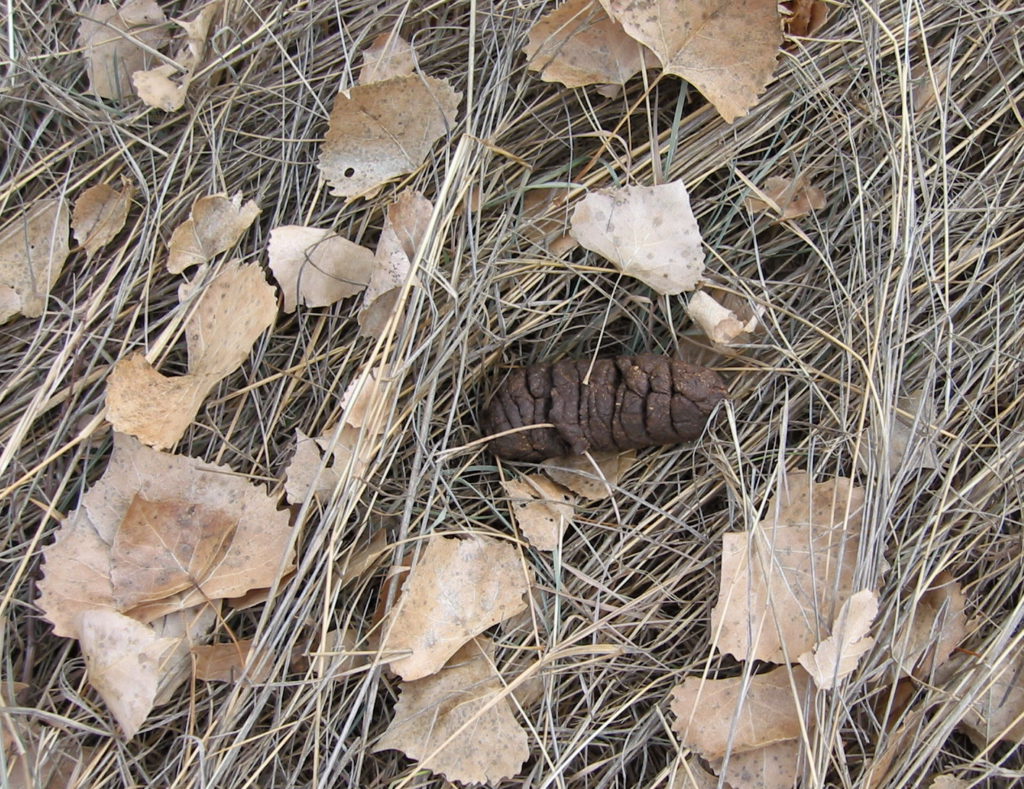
(33, 248)
(117, 42)
(456, 722)
(721, 325)
(648, 232)
(790, 198)
(717, 716)
(542, 509)
(405, 229)
(233, 310)
(229, 662)
(316, 267)
(936, 625)
(99, 215)
(388, 56)
(578, 44)
(997, 713)
(592, 476)
(78, 566)
(725, 48)
(837, 656)
(215, 224)
(805, 17)
(457, 589)
(783, 581)
(774, 766)
(156, 88)
(905, 439)
(307, 472)
(383, 130)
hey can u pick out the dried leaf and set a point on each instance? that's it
(388, 56)
(306, 472)
(156, 88)
(457, 722)
(578, 472)
(775, 766)
(715, 717)
(789, 198)
(42, 757)
(197, 34)
(783, 581)
(215, 224)
(383, 130)
(337, 655)
(725, 48)
(79, 565)
(99, 215)
(316, 267)
(228, 662)
(544, 220)
(837, 656)
(906, 440)
(690, 774)
(117, 42)
(457, 589)
(936, 626)
(233, 310)
(997, 713)
(719, 323)
(648, 232)
(931, 85)
(948, 782)
(578, 44)
(33, 248)
(805, 17)
(361, 403)
(541, 508)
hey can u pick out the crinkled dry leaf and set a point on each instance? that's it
(578, 44)
(648, 232)
(457, 723)
(307, 472)
(405, 229)
(99, 214)
(838, 655)
(718, 322)
(117, 42)
(233, 310)
(383, 130)
(725, 48)
(937, 624)
(997, 713)
(739, 714)
(227, 662)
(775, 766)
(316, 267)
(783, 581)
(361, 402)
(542, 509)
(457, 589)
(79, 565)
(906, 440)
(578, 472)
(215, 224)
(805, 17)
(197, 34)
(388, 56)
(156, 88)
(791, 198)
(33, 248)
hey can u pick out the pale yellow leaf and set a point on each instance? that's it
(457, 589)
(577, 44)
(99, 215)
(316, 267)
(541, 508)
(457, 722)
(118, 42)
(648, 232)
(592, 476)
(215, 224)
(33, 248)
(715, 717)
(388, 56)
(725, 48)
(156, 88)
(362, 400)
(718, 322)
(837, 656)
(383, 130)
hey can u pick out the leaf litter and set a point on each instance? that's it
(316, 267)
(215, 224)
(33, 249)
(118, 41)
(99, 214)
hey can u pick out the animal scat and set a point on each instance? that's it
(628, 402)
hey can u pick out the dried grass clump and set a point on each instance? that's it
(909, 279)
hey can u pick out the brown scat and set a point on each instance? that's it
(608, 404)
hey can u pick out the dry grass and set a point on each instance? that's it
(913, 277)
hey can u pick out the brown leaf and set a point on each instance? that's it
(316, 267)
(42, 757)
(783, 581)
(79, 564)
(383, 130)
(904, 439)
(457, 722)
(578, 44)
(99, 215)
(117, 42)
(775, 766)
(156, 88)
(578, 474)
(457, 589)
(33, 248)
(648, 232)
(805, 17)
(337, 655)
(541, 508)
(725, 48)
(937, 625)
(227, 662)
(790, 198)
(837, 656)
(388, 56)
(215, 224)
(307, 472)
(997, 713)
(740, 714)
